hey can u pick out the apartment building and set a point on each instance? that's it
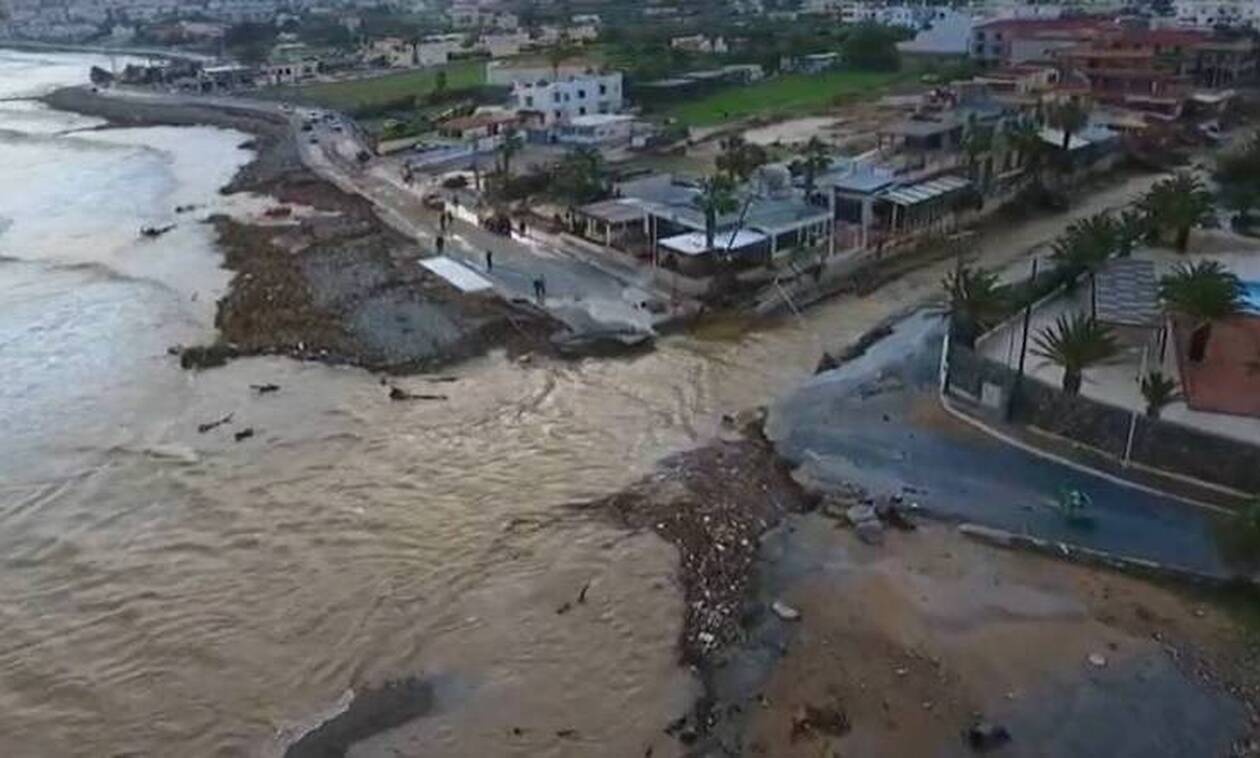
(557, 101)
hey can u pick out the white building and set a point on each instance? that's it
(396, 52)
(699, 43)
(558, 101)
(290, 72)
(607, 129)
(1205, 14)
(436, 50)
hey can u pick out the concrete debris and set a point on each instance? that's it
(785, 611)
(244, 434)
(870, 532)
(983, 736)
(861, 514)
(809, 720)
(263, 389)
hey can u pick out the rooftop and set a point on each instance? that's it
(695, 243)
(613, 211)
(1126, 293)
(921, 127)
(917, 193)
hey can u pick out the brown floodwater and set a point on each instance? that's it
(170, 592)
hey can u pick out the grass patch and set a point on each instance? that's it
(359, 93)
(790, 95)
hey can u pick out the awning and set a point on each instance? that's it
(924, 191)
(694, 243)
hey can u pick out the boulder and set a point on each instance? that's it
(785, 611)
(870, 532)
(860, 514)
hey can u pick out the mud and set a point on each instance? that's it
(340, 287)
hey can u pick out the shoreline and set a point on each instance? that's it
(342, 288)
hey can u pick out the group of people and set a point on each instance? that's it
(444, 221)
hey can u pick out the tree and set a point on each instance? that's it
(1159, 391)
(1025, 137)
(976, 302)
(976, 142)
(1204, 292)
(511, 145)
(872, 47)
(740, 158)
(1178, 204)
(717, 196)
(1070, 117)
(814, 161)
(249, 42)
(558, 53)
(439, 81)
(1086, 245)
(580, 176)
(1074, 344)
(1131, 227)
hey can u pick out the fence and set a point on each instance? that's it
(990, 388)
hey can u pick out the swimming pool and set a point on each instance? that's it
(1251, 296)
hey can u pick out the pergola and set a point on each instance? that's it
(1126, 298)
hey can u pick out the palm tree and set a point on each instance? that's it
(740, 158)
(1131, 227)
(1075, 343)
(1086, 246)
(1179, 204)
(1070, 117)
(717, 196)
(558, 53)
(579, 176)
(1159, 391)
(511, 145)
(814, 160)
(976, 302)
(1204, 292)
(976, 142)
(1025, 137)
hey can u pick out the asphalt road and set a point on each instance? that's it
(876, 422)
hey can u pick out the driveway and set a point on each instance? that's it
(876, 422)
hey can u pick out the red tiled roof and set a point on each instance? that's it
(1073, 23)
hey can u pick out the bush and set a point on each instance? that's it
(384, 107)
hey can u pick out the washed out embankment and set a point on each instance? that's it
(338, 287)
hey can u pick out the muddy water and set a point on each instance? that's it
(167, 592)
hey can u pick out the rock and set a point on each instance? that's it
(244, 434)
(1097, 660)
(859, 514)
(785, 611)
(810, 719)
(984, 736)
(870, 532)
(826, 363)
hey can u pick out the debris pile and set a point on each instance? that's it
(713, 504)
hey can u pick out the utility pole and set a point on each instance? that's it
(1023, 352)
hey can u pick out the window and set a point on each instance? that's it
(581, 94)
(529, 101)
(603, 89)
(559, 114)
(555, 97)
(582, 111)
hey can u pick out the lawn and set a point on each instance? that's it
(349, 95)
(793, 94)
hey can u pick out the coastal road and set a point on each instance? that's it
(877, 422)
(584, 296)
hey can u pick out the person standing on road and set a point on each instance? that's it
(540, 289)
(489, 261)
(441, 243)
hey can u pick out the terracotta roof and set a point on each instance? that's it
(1076, 23)
(477, 120)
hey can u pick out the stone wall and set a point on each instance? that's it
(1156, 443)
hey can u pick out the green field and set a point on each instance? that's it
(793, 94)
(357, 93)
